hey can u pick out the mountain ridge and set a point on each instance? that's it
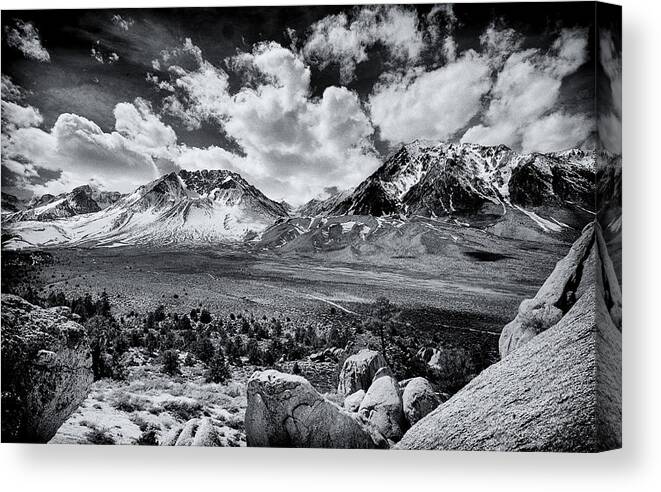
(491, 188)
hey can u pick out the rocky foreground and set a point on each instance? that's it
(46, 369)
(557, 387)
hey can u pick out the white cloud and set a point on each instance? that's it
(336, 39)
(16, 116)
(610, 120)
(140, 150)
(499, 43)
(99, 56)
(121, 22)
(527, 88)
(138, 123)
(441, 24)
(294, 145)
(198, 95)
(10, 91)
(430, 105)
(25, 37)
(557, 131)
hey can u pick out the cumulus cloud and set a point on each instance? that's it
(140, 149)
(527, 88)
(137, 122)
(25, 37)
(610, 120)
(294, 145)
(520, 87)
(557, 131)
(343, 40)
(99, 56)
(441, 24)
(16, 116)
(430, 104)
(10, 91)
(121, 22)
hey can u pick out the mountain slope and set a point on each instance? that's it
(460, 179)
(11, 204)
(184, 207)
(424, 188)
(82, 200)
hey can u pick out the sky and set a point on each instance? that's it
(298, 100)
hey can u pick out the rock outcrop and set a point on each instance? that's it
(419, 399)
(286, 411)
(195, 432)
(46, 369)
(382, 407)
(557, 391)
(359, 370)
(353, 401)
(571, 277)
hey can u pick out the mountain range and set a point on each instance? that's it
(492, 189)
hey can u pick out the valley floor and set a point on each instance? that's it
(461, 292)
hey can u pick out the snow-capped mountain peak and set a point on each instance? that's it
(459, 178)
(179, 207)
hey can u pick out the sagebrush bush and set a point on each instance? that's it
(149, 437)
(183, 409)
(99, 436)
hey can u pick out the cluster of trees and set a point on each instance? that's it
(214, 340)
(22, 269)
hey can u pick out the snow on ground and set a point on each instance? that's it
(121, 411)
(544, 224)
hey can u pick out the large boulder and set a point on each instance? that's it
(359, 370)
(353, 401)
(419, 399)
(195, 432)
(559, 391)
(46, 369)
(572, 275)
(382, 407)
(284, 410)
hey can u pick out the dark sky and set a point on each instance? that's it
(75, 82)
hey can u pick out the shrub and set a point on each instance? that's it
(170, 362)
(183, 409)
(218, 371)
(204, 349)
(99, 436)
(205, 317)
(149, 437)
(129, 403)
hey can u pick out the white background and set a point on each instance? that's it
(636, 467)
